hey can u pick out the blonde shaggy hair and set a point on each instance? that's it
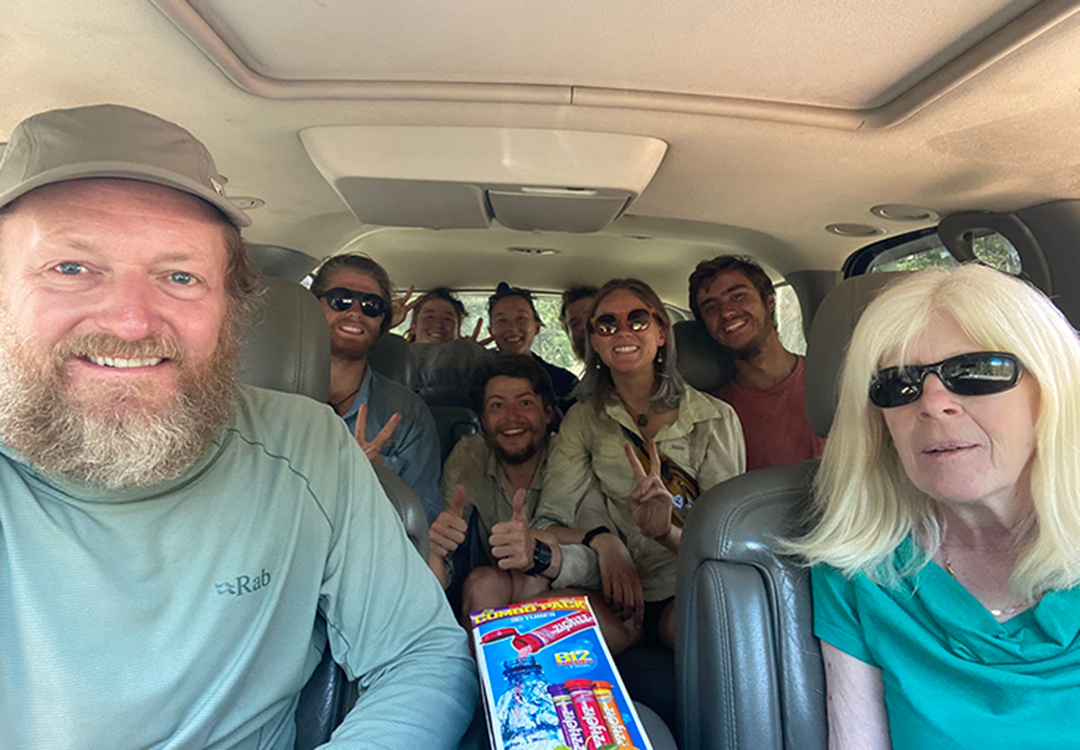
(865, 503)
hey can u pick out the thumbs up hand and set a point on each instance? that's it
(447, 531)
(512, 542)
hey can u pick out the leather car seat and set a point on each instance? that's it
(748, 667)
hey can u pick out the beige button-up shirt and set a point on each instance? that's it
(473, 464)
(706, 440)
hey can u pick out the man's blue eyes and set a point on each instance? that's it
(181, 277)
(69, 268)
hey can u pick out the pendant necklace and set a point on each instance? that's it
(642, 420)
(995, 612)
(338, 404)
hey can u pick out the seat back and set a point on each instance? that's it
(700, 360)
(452, 424)
(392, 357)
(748, 667)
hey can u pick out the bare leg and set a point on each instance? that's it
(485, 587)
(667, 626)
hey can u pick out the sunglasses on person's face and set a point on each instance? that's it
(340, 299)
(975, 374)
(608, 323)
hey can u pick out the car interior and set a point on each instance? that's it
(837, 143)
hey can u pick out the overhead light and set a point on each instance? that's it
(247, 203)
(901, 212)
(854, 230)
(521, 250)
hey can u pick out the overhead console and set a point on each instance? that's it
(465, 177)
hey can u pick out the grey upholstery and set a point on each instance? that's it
(827, 342)
(287, 348)
(441, 374)
(453, 423)
(281, 262)
(700, 360)
(392, 357)
(748, 668)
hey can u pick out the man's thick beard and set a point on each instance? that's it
(112, 435)
(512, 459)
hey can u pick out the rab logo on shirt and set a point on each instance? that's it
(243, 584)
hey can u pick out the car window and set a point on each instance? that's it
(925, 250)
(789, 322)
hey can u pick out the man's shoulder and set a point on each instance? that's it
(276, 419)
(470, 452)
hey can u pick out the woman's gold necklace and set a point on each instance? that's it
(995, 612)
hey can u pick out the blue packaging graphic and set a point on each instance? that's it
(549, 682)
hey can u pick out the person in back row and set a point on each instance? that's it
(169, 539)
(734, 299)
(514, 323)
(496, 477)
(651, 442)
(436, 317)
(390, 422)
(574, 315)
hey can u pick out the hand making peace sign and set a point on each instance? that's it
(651, 504)
(371, 449)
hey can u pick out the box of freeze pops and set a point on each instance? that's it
(549, 682)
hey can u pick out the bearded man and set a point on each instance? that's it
(734, 299)
(496, 478)
(168, 538)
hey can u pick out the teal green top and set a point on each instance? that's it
(183, 615)
(954, 676)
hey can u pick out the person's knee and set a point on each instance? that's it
(487, 584)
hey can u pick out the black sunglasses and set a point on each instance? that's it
(975, 374)
(608, 323)
(340, 299)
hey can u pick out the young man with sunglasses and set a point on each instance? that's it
(391, 423)
(734, 299)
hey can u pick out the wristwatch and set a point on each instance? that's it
(541, 559)
(593, 533)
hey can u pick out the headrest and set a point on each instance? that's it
(830, 332)
(441, 374)
(392, 357)
(286, 346)
(281, 262)
(701, 361)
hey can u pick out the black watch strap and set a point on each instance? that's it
(541, 559)
(593, 533)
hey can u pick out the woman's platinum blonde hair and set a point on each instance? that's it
(865, 502)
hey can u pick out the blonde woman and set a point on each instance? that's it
(947, 548)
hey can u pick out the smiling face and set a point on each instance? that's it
(515, 419)
(352, 334)
(114, 336)
(735, 314)
(627, 351)
(964, 449)
(435, 322)
(513, 325)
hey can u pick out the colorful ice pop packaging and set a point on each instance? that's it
(609, 709)
(545, 635)
(588, 713)
(564, 708)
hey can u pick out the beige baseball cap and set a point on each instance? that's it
(109, 140)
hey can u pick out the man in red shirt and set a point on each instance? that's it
(734, 299)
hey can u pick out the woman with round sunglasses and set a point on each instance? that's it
(946, 550)
(650, 443)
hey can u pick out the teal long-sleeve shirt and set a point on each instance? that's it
(181, 615)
